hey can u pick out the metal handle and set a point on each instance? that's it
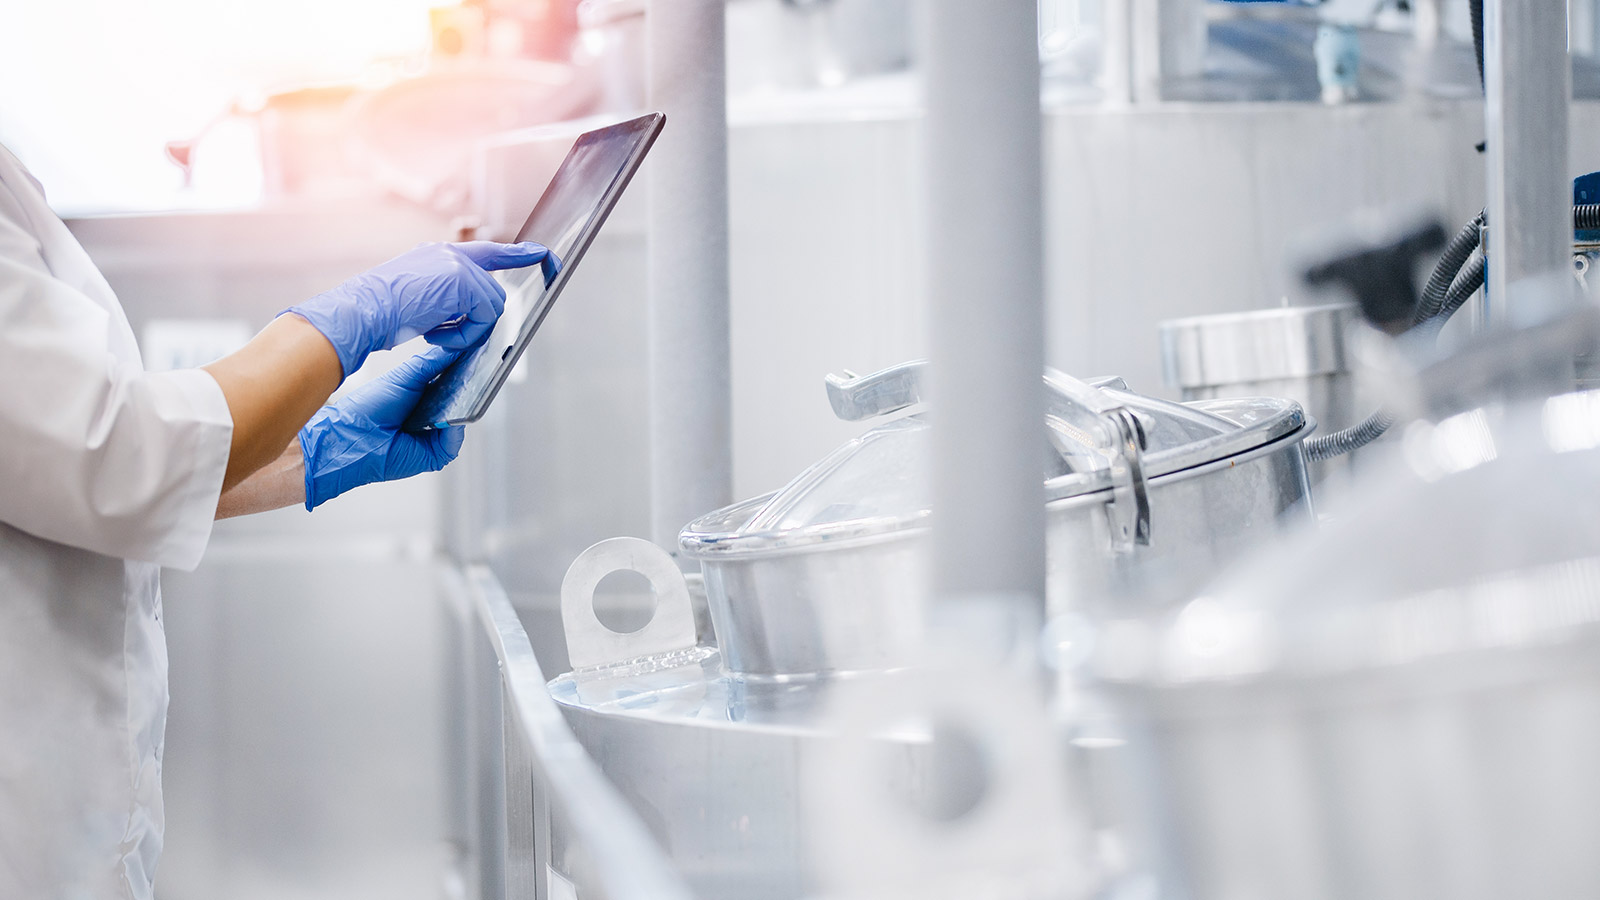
(1111, 431)
(857, 397)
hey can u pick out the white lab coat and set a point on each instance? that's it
(106, 474)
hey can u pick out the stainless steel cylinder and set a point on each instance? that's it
(984, 180)
(690, 394)
(1297, 352)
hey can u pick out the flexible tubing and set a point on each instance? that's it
(1436, 295)
(1476, 10)
(1350, 439)
(1468, 282)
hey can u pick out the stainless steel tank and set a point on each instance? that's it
(1144, 497)
(1406, 703)
(817, 594)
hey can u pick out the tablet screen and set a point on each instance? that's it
(565, 220)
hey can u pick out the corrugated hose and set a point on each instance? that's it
(1460, 279)
(1436, 297)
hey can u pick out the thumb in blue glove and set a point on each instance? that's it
(441, 291)
(358, 440)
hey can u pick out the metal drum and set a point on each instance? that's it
(1292, 351)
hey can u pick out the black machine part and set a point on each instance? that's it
(1381, 275)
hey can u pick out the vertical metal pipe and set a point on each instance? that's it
(1427, 22)
(1169, 44)
(984, 183)
(1529, 81)
(690, 401)
(1116, 53)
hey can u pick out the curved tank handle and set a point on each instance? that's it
(856, 397)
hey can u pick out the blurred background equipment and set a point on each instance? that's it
(1155, 671)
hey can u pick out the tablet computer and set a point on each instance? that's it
(566, 219)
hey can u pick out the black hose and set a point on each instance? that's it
(1466, 284)
(1476, 7)
(1449, 266)
(1435, 296)
(1464, 274)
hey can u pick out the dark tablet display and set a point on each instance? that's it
(566, 219)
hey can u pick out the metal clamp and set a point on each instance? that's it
(1117, 435)
(589, 642)
(1111, 431)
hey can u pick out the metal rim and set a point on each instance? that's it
(717, 535)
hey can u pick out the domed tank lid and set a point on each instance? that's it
(1102, 437)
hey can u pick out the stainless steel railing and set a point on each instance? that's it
(534, 814)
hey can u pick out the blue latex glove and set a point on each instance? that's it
(441, 291)
(358, 440)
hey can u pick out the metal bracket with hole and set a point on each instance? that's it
(589, 642)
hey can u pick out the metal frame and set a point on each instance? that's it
(984, 183)
(1529, 83)
(519, 766)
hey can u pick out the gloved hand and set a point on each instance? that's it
(441, 291)
(358, 440)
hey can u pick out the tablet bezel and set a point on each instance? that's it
(648, 126)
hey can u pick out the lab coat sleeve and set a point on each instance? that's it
(95, 453)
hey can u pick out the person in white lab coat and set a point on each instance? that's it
(108, 473)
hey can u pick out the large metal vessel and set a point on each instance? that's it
(1143, 496)
(816, 593)
(1403, 704)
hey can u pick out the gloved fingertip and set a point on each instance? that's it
(449, 442)
(492, 256)
(450, 339)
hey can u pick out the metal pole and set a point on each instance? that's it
(1116, 74)
(984, 186)
(690, 398)
(1427, 22)
(1169, 44)
(1529, 80)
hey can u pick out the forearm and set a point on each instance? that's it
(273, 385)
(275, 485)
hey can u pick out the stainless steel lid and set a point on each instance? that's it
(1103, 438)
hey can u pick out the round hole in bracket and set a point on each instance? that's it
(943, 775)
(625, 601)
